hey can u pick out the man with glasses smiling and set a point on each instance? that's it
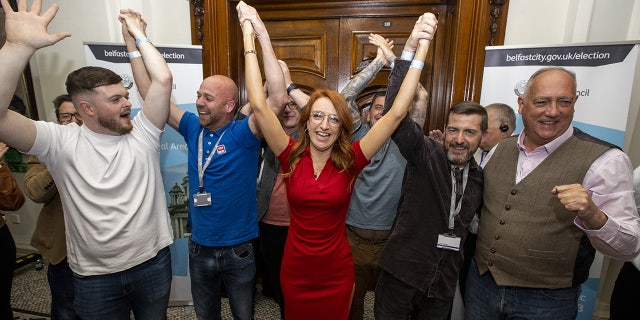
(49, 235)
(66, 117)
(553, 195)
(65, 111)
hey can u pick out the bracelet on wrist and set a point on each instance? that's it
(134, 54)
(291, 87)
(141, 40)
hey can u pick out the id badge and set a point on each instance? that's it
(202, 199)
(449, 242)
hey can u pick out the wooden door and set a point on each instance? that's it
(324, 42)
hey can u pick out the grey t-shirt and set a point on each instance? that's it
(377, 189)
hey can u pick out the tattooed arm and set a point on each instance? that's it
(360, 80)
(418, 110)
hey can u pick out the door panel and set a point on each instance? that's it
(310, 49)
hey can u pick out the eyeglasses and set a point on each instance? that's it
(318, 117)
(291, 105)
(64, 116)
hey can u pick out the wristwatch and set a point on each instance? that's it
(292, 86)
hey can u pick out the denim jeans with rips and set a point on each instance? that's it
(143, 289)
(211, 267)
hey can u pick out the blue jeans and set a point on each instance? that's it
(484, 299)
(209, 267)
(395, 299)
(60, 279)
(143, 289)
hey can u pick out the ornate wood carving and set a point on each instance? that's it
(197, 7)
(496, 10)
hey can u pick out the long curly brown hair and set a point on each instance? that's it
(342, 155)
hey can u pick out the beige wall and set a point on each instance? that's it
(576, 21)
(97, 21)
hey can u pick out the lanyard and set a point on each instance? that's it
(454, 209)
(206, 164)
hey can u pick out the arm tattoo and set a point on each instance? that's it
(357, 84)
(418, 111)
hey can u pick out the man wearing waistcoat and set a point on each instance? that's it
(552, 196)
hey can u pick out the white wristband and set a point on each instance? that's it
(417, 64)
(141, 40)
(134, 54)
(407, 55)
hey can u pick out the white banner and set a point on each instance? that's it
(185, 63)
(605, 73)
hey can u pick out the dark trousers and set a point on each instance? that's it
(396, 300)
(625, 293)
(469, 250)
(7, 265)
(272, 240)
(60, 279)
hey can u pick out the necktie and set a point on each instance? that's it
(482, 156)
(457, 173)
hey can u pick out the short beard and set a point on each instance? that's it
(459, 161)
(115, 126)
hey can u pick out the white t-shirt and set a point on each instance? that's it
(112, 193)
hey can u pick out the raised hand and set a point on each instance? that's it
(128, 37)
(384, 47)
(27, 28)
(423, 31)
(3, 149)
(135, 25)
(436, 135)
(249, 13)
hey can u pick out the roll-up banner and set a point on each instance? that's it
(185, 63)
(608, 90)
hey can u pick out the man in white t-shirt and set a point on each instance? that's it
(107, 171)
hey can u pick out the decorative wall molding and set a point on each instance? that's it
(198, 18)
(495, 11)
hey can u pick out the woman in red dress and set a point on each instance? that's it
(317, 274)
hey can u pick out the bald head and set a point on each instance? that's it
(216, 101)
(223, 85)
